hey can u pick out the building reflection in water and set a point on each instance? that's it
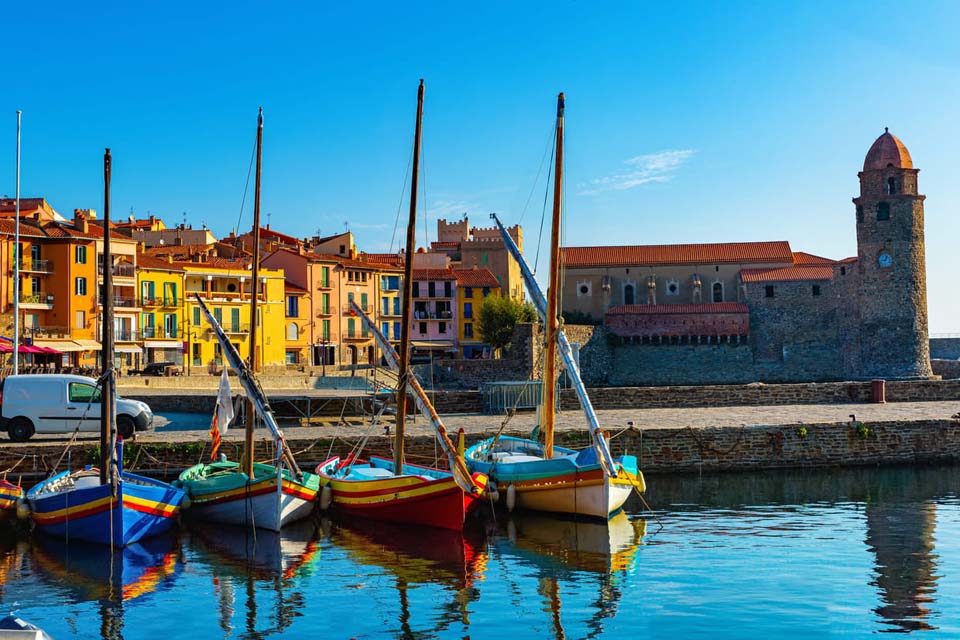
(900, 535)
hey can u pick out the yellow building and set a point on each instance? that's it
(297, 325)
(160, 284)
(474, 286)
(225, 286)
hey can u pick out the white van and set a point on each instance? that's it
(60, 403)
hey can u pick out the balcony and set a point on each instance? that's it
(366, 308)
(223, 296)
(160, 333)
(120, 302)
(324, 285)
(329, 311)
(120, 270)
(166, 301)
(36, 266)
(122, 335)
(356, 335)
(45, 333)
(235, 328)
(433, 315)
(37, 300)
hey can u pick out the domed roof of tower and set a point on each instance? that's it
(887, 151)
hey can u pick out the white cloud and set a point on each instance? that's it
(644, 169)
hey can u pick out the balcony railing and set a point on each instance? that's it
(45, 332)
(223, 296)
(328, 311)
(230, 327)
(152, 333)
(36, 266)
(36, 298)
(122, 335)
(433, 315)
(165, 301)
(121, 270)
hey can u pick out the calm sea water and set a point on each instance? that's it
(809, 554)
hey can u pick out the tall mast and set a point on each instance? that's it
(553, 295)
(248, 435)
(16, 265)
(107, 407)
(408, 293)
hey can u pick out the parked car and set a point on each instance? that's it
(157, 368)
(60, 403)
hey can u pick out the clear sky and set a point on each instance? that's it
(701, 122)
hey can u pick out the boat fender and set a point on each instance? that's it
(492, 492)
(511, 497)
(23, 510)
(326, 497)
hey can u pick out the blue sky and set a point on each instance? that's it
(696, 123)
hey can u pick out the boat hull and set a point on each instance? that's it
(421, 496)
(142, 508)
(219, 492)
(9, 494)
(571, 482)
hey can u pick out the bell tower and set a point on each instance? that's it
(892, 268)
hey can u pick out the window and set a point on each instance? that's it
(448, 289)
(396, 306)
(80, 286)
(169, 325)
(80, 392)
(718, 292)
(396, 330)
(291, 357)
(468, 292)
(385, 305)
(343, 249)
(349, 299)
(170, 294)
(673, 287)
(34, 285)
(80, 320)
(423, 328)
(325, 303)
(147, 291)
(416, 289)
(431, 289)
(326, 330)
(816, 289)
(583, 288)
(196, 316)
(891, 186)
(218, 315)
(443, 327)
(883, 211)
(628, 294)
(293, 306)
(293, 332)
(843, 271)
(235, 320)
(486, 291)
(147, 326)
(35, 252)
(467, 309)
(325, 277)
(768, 291)
(468, 330)
(363, 302)
(385, 329)
(197, 359)
(351, 328)
(80, 255)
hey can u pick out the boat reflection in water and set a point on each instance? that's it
(245, 563)
(564, 550)
(415, 557)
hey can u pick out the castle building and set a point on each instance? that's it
(728, 312)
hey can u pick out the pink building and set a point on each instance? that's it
(435, 318)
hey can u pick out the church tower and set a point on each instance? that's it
(892, 269)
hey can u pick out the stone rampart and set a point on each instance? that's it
(946, 369)
(945, 348)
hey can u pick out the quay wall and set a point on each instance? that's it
(658, 450)
(946, 369)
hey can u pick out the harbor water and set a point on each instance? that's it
(777, 554)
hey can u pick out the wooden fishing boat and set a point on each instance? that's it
(10, 494)
(265, 496)
(393, 490)
(539, 476)
(106, 505)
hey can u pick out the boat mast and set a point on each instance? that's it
(251, 413)
(402, 371)
(16, 265)
(107, 400)
(553, 295)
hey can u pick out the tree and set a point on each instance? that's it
(498, 317)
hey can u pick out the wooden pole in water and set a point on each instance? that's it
(251, 411)
(106, 324)
(408, 293)
(553, 296)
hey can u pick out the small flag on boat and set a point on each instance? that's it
(222, 415)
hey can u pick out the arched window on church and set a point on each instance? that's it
(891, 186)
(883, 211)
(718, 292)
(628, 297)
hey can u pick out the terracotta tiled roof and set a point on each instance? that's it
(292, 288)
(649, 309)
(849, 260)
(61, 230)
(887, 150)
(8, 227)
(445, 245)
(213, 262)
(434, 274)
(476, 278)
(785, 274)
(151, 262)
(678, 254)
(385, 258)
(804, 258)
